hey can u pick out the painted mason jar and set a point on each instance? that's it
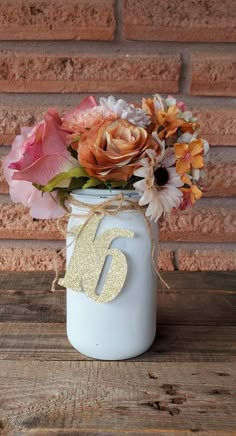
(110, 278)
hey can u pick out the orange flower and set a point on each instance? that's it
(148, 105)
(169, 121)
(192, 192)
(189, 155)
(110, 152)
(166, 122)
(189, 127)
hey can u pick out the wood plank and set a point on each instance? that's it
(32, 306)
(112, 432)
(176, 280)
(183, 306)
(22, 281)
(124, 397)
(36, 341)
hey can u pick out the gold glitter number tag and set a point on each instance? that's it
(88, 259)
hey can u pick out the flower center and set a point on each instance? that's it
(161, 176)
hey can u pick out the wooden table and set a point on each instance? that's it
(184, 385)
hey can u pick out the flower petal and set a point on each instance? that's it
(54, 138)
(182, 166)
(143, 172)
(45, 205)
(146, 198)
(169, 158)
(45, 168)
(86, 103)
(141, 185)
(180, 149)
(196, 147)
(185, 137)
(197, 161)
(197, 192)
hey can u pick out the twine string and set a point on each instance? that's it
(107, 208)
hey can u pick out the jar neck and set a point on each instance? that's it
(99, 196)
(104, 193)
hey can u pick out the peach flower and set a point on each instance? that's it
(189, 156)
(85, 116)
(110, 152)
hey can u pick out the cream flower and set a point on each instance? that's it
(125, 111)
(160, 183)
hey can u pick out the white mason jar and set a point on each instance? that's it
(126, 326)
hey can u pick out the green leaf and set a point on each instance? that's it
(55, 181)
(92, 182)
(77, 183)
(116, 183)
(63, 196)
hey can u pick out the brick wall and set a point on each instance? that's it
(53, 52)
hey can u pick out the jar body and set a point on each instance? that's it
(125, 326)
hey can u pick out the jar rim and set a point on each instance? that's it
(104, 193)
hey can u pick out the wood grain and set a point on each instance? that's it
(185, 383)
(128, 397)
(200, 307)
(136, 431)
(26, 298)
(177, 280)
(37, 341)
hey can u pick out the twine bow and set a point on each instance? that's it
(106, 208)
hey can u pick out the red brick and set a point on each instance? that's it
(200, 225)
(34, 72)
(29, 259)
(16, 223)
(213, 74)
(14, 117)
(217, 125)
(57, 19)
(3, 183)
(179, 21)
(166, 260)
(35, 259)
(196, 225)
(220, 179)
(206, 260)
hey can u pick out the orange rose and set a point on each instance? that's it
(110, 152)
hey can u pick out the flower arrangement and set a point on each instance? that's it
(153, 147)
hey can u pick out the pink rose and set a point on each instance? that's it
(44, 154)
(41, 205)
(37, 155)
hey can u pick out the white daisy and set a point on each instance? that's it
(160, 183)
(126, 111)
